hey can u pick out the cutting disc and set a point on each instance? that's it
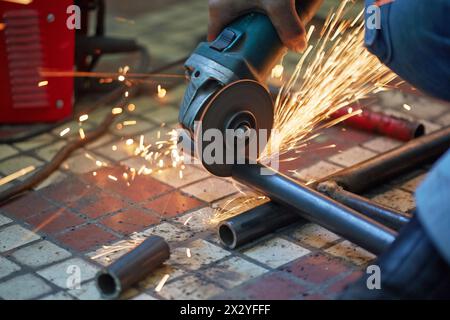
(238, 107)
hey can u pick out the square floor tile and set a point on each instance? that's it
(210, 189)
(68, 191)
(28, 205)
(99, 204)
(15, 236)
(276, 252)
(61, 295)
(173, 204)
(352, 156)
(23, 287)
(314, 235)
(316, 171)
(35, 142)
(198, 220)
(189, 288)
(154, 278)
(202, 254)
(382, 144)
(82, 164)
(54, 221)
(7, 151)
(351, 252)
(316, 268)
(167, 231)
(62, 273)
(396, 199)
(269, 286)
(48, 152)
(130, 220)
(122, 150)
(54, 178)
(234, 271)
(87, 291)
(40, 253)
(86, 238)
(4, 220)
(7, 267)
(140, 189)
(17, 163)
(190, 174)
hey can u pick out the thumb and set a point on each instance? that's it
(288, 25)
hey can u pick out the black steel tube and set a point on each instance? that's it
(362, 177)
(132, 267)
(426, 148)
(316, 207)
(255, 223)
(387, 216)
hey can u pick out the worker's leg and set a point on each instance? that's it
(418, 263)
(411, 269)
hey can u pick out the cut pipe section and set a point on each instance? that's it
(316, 207)
(132, 267)
(255, 223)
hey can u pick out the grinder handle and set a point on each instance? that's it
(250, 45)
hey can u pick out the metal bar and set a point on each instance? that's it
(255, 223)
(387, 216)
(380, 123)
(362, 177)
(316, 207)
(132, 267)
(262, 214)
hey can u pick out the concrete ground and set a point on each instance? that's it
(66, 226)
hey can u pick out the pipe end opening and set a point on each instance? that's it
(227, 236)
(107, 285)
(420, 131)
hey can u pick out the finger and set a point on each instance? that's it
(307, 9)
(223, 12)
(287, 23)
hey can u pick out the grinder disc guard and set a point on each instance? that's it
(239, 106)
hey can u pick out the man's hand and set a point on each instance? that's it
(288, 16)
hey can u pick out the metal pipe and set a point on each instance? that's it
(380, 123)
(132, 267)
(374, 122)
(316, 207)
(255, 223)
(387, 216)
(362, 177)
(421, 146)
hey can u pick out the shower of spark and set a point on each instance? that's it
(340, 72)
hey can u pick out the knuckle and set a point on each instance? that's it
(215, 4)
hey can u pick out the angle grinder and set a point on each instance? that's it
(227, 89)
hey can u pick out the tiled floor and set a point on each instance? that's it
(54, 235)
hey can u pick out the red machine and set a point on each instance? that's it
(35, 36)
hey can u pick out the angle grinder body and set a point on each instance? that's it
(226, 89)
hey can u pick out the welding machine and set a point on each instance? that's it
(34, 36)
(39, 36)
